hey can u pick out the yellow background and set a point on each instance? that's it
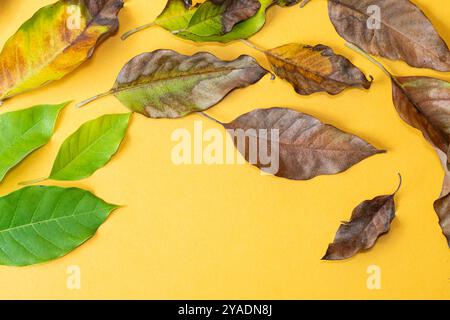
(225, 231)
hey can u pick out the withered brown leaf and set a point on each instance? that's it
(394, 29)
(304, 146)
(424, 103)
(315, 69)
(370, 220)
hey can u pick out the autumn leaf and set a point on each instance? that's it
(306, 147)
(54, 42)
(394, 29)
(41, 223)
(211, 21)
(166, 84)
(370, 220)
(424, 103)
(315, 69)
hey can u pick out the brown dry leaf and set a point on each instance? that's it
(370, 220)
(401, 31)
(315, 69)
(424, 103)
(306, 147)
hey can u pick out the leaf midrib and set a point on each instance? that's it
(305, 68)
(310, 148)
(84, 150)
(48, 221)
(125, 87)
(8, 147)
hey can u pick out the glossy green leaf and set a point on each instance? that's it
(38, 224)
(90, 147)
(24, 131)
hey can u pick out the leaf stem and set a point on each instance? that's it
(127, 34)
(304, 3)
(26, 183)
(400, 184)
(368, 57)
(87, 101)
(252, 45)
(375, 62)
(210, 118)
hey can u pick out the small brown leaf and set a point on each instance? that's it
(303, 146)
(370, 220)
(424, 103)
(394, 29)
(315, 69)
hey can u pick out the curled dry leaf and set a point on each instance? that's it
(43, 223)
(370, 220)
(424, 103)
(315, 69)
(304, 147)
(213, 20)
(52, 44)
(394, 29)
(166, 84)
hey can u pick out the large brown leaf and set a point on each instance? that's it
(315, 69)
(370, 220)
(306, 147)
(404, 32)
(424, 103)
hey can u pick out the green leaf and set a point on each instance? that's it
(38, 223)
(166, 84)
(176, 15)
(204, 23)
(90, 147)
(24, 131)
(242, 30)
(207, 20)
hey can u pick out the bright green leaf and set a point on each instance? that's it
(90, 147)
(38, 224)
(24, 131)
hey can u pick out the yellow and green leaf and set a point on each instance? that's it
(54, 42)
